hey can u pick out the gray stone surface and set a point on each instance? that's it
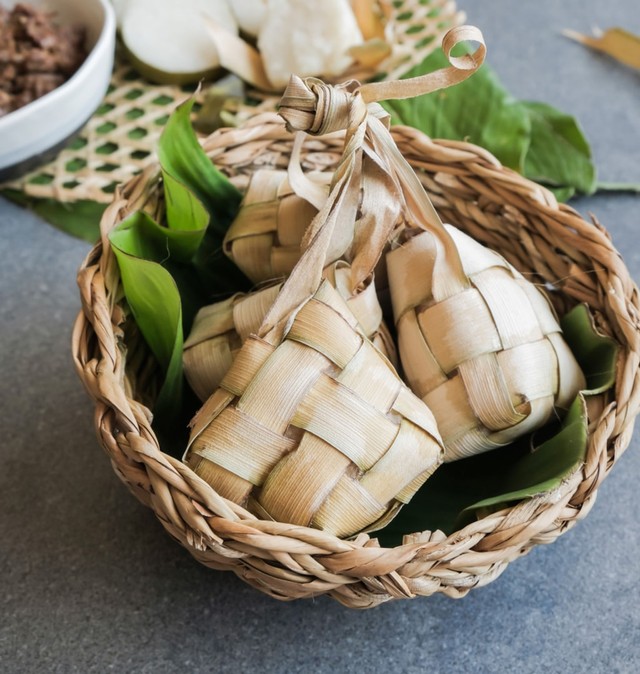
(90, 581)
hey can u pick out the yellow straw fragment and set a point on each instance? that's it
(615, 42)
(369, 18)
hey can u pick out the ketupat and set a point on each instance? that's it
(264, 238)
(312, 426)
(485, 354)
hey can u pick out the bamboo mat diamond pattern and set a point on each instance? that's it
(119, 141)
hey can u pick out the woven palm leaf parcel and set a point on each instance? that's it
(489, 358)
(515, 217)
(264, 239)
(314, 427)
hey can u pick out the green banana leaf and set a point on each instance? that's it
(80, 219)
(558, 154)
(182, 157)
(140, 246)
(534, 139)
(186, 166)
(169, 270)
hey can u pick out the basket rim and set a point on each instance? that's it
(290, 561)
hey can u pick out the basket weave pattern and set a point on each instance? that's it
(547, 242)
(414, 29)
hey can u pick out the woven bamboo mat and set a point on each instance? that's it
(119, 141)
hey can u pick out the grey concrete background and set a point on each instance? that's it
(91, 583)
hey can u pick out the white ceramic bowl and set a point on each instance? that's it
(32, 133)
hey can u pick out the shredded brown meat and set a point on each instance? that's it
(36, 55)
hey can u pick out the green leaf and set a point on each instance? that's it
(141, 236)
(139, 241)
(145, 282)
(169, 272)
(479, 110)
(596, 353)
(543, 469)
(190, 176)
(182, 157)
(535, 139)
(185, 212)
(80, 218)
(559, 154)
(179, 247)
(157, 263)
(461, 490)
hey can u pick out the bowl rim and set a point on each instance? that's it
(106, 32)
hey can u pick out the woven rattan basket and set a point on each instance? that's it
(547, 241)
